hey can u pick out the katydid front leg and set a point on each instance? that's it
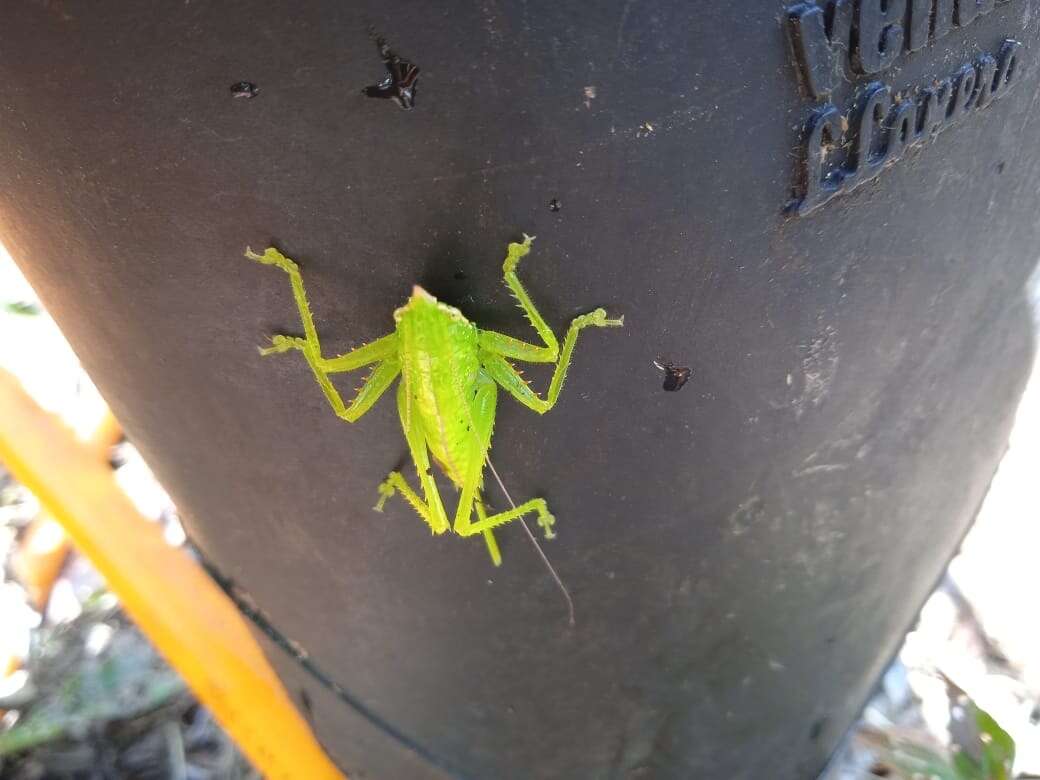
(496, 347)
(382, 351)
(507, 345)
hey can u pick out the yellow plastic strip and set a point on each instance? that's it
(192, 623)
(40, 556)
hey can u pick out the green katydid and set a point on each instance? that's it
(451, 371)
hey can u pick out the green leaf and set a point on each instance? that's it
(967, 768)
(25, 308)
(998, 748)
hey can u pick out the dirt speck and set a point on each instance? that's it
(748, 514)
(244, 89)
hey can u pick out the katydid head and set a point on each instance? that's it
(421, 294)
(425, 308)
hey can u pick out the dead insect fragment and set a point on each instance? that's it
(244, 89)
(400, 82)
(674, 376)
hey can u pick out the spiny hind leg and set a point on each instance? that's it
(430, 507)
(487, 522)
(489, 536)
(431, 510)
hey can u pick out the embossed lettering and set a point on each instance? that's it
(821, 33)
(937, 99)
(920, 24)
(962, 98)
(987, 76)
(969, 10)
(872, 147)
(901, 126)
(1006, 62)
(818, 49)
(944, 10)
(884, 127)
(807, 30)
(922, 13)
(880, 34)
(824, 131)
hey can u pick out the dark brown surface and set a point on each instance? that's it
(744, 554)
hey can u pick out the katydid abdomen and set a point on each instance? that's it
(442, 378)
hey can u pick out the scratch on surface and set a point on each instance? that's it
(621, 30)
(673, 120)
(819, 366)
(187, 122)
(823, 468)
(501, 168)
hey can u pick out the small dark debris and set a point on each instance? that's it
(1000, 166)
(674, 376)
(817, 729)
(460, 275)
(401, 80)
(554, 204)
(305, 703)
(244, 89)
(881, 770)
(307, 706)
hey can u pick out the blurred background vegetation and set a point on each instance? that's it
(83, 694)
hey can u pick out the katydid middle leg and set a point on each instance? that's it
(497, 347)
(375, 384)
